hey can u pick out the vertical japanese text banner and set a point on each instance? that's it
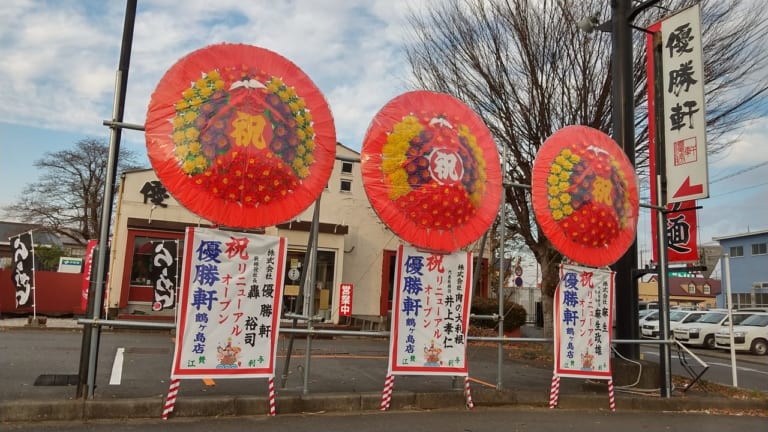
(90, 250)
(583, 321)
(685, 145)
(229, 305)
(430, 315)
(22, 276)
(163, 274)
(682, 241)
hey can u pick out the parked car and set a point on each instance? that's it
(751, 335)
(650, 329)
(753, 309)
(647, 315)
(702, 332)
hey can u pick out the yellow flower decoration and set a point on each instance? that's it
(553, 179)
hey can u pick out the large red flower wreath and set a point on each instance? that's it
(431, 171)
(241, 136)
(585, 195)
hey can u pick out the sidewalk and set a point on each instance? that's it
(344, 374)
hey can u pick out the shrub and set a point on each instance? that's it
(514, 314)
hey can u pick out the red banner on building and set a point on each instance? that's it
(345, 300)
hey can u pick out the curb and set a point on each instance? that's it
(228, 406)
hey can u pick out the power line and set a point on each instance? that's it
(742, 171)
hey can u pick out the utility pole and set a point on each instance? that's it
(623, 115)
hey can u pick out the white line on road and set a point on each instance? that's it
(117, 368)
(725, 365)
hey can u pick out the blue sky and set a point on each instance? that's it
(59, 60)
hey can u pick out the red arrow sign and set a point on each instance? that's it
(687, 189)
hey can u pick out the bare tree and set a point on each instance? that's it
(528, 70)
(68, 197)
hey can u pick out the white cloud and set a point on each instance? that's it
(61, 58)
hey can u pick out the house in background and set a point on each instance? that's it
(748, 265)
(41, 237)
(695, 292)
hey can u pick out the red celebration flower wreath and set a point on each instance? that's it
(585, 195)
(239, 135)
(431, 171)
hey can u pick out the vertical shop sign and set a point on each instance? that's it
(345, 300)
(684, 115)
(22, 276)
(229, 305)
(163, 274)
(90, 250)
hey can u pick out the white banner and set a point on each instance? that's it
(430, 313)
(583, 322)
(229, 305)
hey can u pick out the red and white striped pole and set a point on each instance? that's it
(170, 401)
(467, 393)
(272, 407)
(611, 397)
(554, 391)
(386, 396)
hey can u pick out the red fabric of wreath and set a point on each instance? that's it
(240, 136)
(431, 171)
(585, 195)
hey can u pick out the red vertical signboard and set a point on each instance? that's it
(87, 269)
(345, 300)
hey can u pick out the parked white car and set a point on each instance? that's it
(647, 315)
(702, 332)
(751, 335)
(650, 329)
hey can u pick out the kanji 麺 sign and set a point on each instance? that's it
(684, 128)
(230, 300)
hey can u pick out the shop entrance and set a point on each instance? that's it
(323, 295)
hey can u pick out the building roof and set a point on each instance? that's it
(39, 234)
(678, 286)
(742, 235)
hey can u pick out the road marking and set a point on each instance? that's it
(715, 363)
(117, 367)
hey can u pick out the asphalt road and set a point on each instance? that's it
(751, 370)
(478, 420)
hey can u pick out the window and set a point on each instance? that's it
(346, 167)
(346, 185)
(736, 251)
(759, 248)
(691, 288)
(140, 261)
(707, 289)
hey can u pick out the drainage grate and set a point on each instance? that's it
(57, 380)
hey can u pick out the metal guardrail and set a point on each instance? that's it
(315, 331)
(311, 331)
